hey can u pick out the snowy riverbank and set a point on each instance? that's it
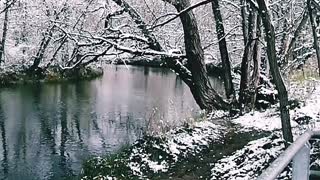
(249, 162)
(158, 157)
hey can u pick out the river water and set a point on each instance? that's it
(48, 130)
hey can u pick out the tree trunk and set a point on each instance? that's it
(173, 64)
(246, 59)
(314, 32)
(153, 43)
(43, 46)
(223, 50)
(198, 81)
(256, 64)
(296, 33)
(201, 89)
(281, 88)
(243, 5)
(4, 33)
(45, 41)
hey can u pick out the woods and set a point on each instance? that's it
(156, 89)
(186, 35)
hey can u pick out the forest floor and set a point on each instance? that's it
(217, 148)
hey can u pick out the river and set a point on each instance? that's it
(48, 130)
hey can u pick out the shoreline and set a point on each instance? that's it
(17, 75)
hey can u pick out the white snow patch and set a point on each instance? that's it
(177, 144)
(311, 108)
(100, 177)
(268, 120)
(247, 162)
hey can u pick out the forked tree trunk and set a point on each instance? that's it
(47, 37)
(205, 96)
(227, 78)
(271, 52)
(42, 49)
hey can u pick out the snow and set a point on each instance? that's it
(100, 177)
(250, 161)
(162, 152)
(264, 90)
(155, 154)
(247, 162)
(310, 108)
(268, 120)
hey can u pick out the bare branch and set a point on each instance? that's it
(182, 12)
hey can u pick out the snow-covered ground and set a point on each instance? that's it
(248, 162)
(159, 154)
(177, 144)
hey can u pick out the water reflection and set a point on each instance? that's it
(47, 130)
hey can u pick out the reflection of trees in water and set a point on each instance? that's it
(4, 163)
(93, 118)
(64, 132)
(69, 121)
(46, 131)
(78, 109)
(21, 143)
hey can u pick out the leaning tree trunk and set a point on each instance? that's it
(135, 16)
(288, 50)
(40, 54)
(198, 81)
(281, 88)
(153, 43)
(201, 89)
(223, 50)
(4, 33)
(314, 32)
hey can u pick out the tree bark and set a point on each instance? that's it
(246, 59)
(243, 5)
(45, 42)
(4, 33)
(271, 52)
(296, 33)
(201, 89)
(315, 33)
(223, 50)
(256, 64)
(43, 46)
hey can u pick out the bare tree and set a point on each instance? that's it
(205, 96)
(223, 50)
(5, 29)
(314, 32)
(246, 59)
(271, 52)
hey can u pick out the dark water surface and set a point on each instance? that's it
(48, 130)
